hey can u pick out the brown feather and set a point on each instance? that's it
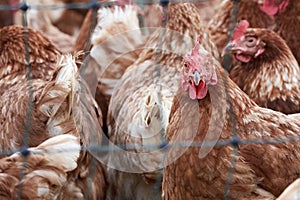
(141, 102)
(271, 79)
(115, 44)
(42, 174)
(288, 26)
(42, 55)
(258, 166)
(61, 105)
(221, 23)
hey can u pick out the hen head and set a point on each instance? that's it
(198, 72)
(245, 44)
(272, 7)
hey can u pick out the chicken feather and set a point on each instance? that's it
(60, 103)
(288, 25)
(44, 169)
(267, 70)
(140, 104)
(115, 44)
(260, 170)
(41, 55)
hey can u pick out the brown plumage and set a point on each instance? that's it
(288, 24)
(77, 16)
(267, 70)
(54, 101)
(43, 173)
(86, 29)
(219, 26)
(261, 170)
(42, 55)
(116, 43)
(141, 101)
(88, 25)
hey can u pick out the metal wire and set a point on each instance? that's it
(235, 141)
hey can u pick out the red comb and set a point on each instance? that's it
(240, 29)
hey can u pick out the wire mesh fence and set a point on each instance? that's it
(102, 149)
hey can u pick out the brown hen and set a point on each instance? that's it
(89, 23)
(219, 26)
(141, 101)
(267, 70)
(216, 111)
(116, 42)
(53, 101)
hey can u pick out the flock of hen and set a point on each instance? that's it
(120, 101)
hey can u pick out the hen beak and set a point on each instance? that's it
(196, 78)
(228, 47)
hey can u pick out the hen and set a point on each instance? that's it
(236, 161)
(287, 18)
(219, 26)
(141, 101)
(267, 70)
(42, 174)
(51, 100)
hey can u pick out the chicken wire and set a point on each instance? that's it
(235, 141)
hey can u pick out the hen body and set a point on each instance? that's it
(54, 101)
(116, 44)
(229, 169)
(288, 25)
(141, 101)
(42, 56)
(271, 77)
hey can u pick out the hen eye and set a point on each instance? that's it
(251, 42)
